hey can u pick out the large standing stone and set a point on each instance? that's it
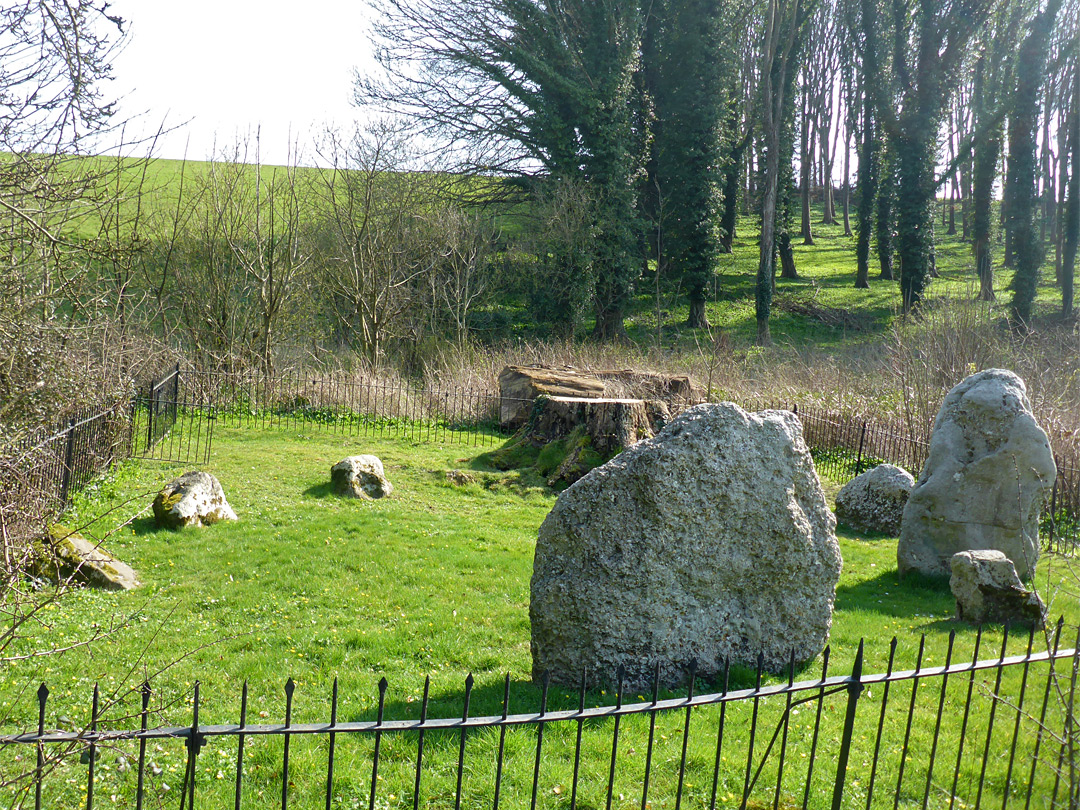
(874, 501)
(989, 470)
(711, 541)
(987, 589)
(194, 499)
(360, 477)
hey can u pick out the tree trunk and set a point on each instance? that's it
(984, 172)
(827, 158)
(609, 325)
(729, 211)
(1071, 214)
(847, 186)
(698, 317)
(914, 203)
(868, 176)
(806, 150)
(885, 218)
(787, 257)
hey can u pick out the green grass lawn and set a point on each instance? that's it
(433, 581)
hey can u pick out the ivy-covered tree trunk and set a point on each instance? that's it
(885, 219)
(869, 145)
(788, 194)
(785, 219)
(729, 206)
(914, 150)
(864, 210)
(611, 161)
(1071, 215)
(986, 151)
(1020, 181)
(689, 104)
(805, 164)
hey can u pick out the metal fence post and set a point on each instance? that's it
(854, 690)
(862, 440)
(150, 417)
(69, 461)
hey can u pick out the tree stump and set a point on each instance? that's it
(611, 425)
(520, 385)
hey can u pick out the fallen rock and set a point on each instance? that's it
(460, 478)
(70, 557)
(987, 589)
(989, 470)
(360, 477)
(194, 499)
(874, 501)
(711, 541)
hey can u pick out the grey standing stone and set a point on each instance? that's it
(194, 499)
(711, 541)
(987, 589)
(874, 501)
(360, 477)
(989, 470)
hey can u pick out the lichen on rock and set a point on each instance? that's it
(712, 541)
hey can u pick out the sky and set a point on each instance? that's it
(220, 71)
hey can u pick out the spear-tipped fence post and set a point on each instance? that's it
(854, 689)
(69, 463)
(43, 695)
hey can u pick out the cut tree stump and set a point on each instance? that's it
(520, 385)
(611, 424)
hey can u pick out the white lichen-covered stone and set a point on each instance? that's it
(711, 541)
(874, 501)
(360, 477)
(989, 470)
(987, 589)
(69, 557)
(194, 499)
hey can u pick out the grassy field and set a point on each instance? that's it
(827, 269)
(434, 581)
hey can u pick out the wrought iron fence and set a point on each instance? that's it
(979, 732)
(168, 424)
(349, 405)
(844, 446)
(162, 406)
(46, 472)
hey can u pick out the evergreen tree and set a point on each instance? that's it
(512, 84)
(1020, 182)
(930, 40)
(689, 105)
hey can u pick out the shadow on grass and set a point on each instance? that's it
(323, 489)
(447, 697)
(914, 596)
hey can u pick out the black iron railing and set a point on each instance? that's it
(1012, 737)
(49, 470)
(350, 406)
